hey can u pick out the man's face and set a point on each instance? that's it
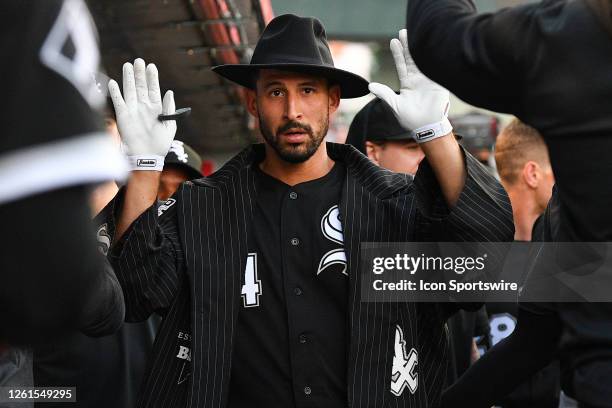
(293, 111)
(400, 156)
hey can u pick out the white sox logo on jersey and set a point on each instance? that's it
(165, 206)
(104, 239)
(404, 366)
(332, 230)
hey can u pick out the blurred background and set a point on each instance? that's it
(185, 38)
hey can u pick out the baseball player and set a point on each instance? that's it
(52, 148)
(256, 267)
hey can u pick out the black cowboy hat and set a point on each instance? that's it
(292, 43)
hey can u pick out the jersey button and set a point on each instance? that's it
(307, 390)
(303, 339)
(295, 241)
(298, 291)
(293, 195)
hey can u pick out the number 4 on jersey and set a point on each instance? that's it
(251, 290)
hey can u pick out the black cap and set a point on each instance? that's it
(375, 122)
(293, 43)
(183, 156)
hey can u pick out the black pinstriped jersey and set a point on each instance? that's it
(396, 352)
(292, 334)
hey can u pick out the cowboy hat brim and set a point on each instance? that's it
(351, 85)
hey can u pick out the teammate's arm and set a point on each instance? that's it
(499, 371)
(54, 279)
(140, 194)
(448, 164)
(447, 37)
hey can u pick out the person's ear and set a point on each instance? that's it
(334, 98)
(373, 152)
(251, 102)
(531, 174)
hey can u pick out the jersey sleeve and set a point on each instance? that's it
(484, 384)
(489, 50)
(148, 260)
(482, 214)
(53, 277)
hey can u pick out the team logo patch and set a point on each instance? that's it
(404, 373)
(165, 206)
(71, 50)
(103, 238)
(331, 227)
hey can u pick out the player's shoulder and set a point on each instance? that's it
(380, 182)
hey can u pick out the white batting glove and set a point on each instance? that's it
(422, 105)
(145, 138)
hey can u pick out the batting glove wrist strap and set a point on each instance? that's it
(435, 130)
(146, 162)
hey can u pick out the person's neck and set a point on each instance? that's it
(317, 166)
(525, 212)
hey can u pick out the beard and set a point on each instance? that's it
(295, 152)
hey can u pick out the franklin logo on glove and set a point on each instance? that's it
(146, 163)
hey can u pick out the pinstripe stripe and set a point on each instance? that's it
(202, 241)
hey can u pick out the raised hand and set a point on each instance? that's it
(422, 105)
(146, 139)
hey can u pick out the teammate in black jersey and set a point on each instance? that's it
(52, 148)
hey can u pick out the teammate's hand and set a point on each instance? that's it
(146, 139)
(422, 105)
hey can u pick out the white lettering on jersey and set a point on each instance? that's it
(184, 353)
(165, 206)
(104, 239)
(251, 290)
(502, 325)
(332, 230)
(404, 366)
